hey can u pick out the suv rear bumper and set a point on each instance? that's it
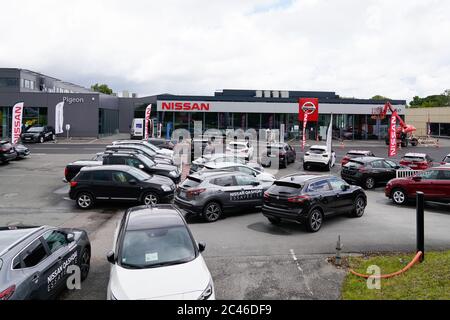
(296, 215)
(188, 207)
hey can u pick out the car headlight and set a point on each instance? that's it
(207, 293)
(166, 187)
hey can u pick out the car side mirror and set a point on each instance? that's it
(70, 237)
(417, 178)
(133, 181)
(345, 187)
(110, 257)
(141, 166)
(201, 246)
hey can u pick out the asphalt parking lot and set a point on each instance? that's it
(248, 257)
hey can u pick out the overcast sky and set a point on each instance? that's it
(357, 48)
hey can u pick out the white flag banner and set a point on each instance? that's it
(59, 118)
(148, 111)
(16, 128)
(330, 135)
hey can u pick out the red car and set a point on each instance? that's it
(352, 154)
(417, 161)
(434, 183)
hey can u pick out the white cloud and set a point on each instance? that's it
(356, 48)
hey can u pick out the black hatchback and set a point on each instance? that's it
(120, 183)
(369, 172)
(7, 152)
(309, 199)
(38, 134)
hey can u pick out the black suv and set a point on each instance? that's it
(309, 199)
(122, 183)
(38, 134)
(369, 172)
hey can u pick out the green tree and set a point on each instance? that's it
(379, 97)
(440, 100)
(102, 88)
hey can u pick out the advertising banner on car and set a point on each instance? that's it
(17, 114)
(148, 111)
(392, 135)
(59, 117)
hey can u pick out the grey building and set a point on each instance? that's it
(91, 114)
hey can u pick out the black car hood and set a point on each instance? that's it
(164, 167)
(160, 180)
(30, 134)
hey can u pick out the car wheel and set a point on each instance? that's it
(274, 221)
(85, 200)
(285, 162)
(360, 206)
(212, 212)
(41, 139)
(399, 196)
(314, 220)
(53, 137)
(369, 183)
(150, 199)
(305, 166)
(85, 263)
(329, 166)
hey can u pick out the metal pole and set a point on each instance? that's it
(420, 224)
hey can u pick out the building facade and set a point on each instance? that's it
(92, 114)
(439, 119)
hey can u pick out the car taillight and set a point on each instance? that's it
(6, 294)
(266, 195)
(73, 184)
(66, 171)
(298, 199)
(194, 192)
(362, 169)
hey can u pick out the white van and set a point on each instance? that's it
(137, 129)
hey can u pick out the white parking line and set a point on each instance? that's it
(301, 271)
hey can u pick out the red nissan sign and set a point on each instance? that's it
(393, 135)
(309, 107)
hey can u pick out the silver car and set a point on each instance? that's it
(199, 163)
(211, 194)
(260, 175)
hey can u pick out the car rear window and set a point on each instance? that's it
(413, 159)
(191, 182)
(355, 164)
(84, 176)
(356, 154)
(317, 151)
(283, 187)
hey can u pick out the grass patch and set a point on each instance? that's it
(429, 280)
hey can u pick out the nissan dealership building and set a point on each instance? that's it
(92, 114)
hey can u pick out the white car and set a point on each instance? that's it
(241, 149)
(155, 257)
(156, 149)
(319, 156)
(198, 163)
(258, 173)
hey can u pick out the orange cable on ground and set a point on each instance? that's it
(386, 276)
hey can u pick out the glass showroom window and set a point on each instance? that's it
(445, 129)
(240, 121)
(254, 121)
(211, 120)
(181, 120)
(225, 120)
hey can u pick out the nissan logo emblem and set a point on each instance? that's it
(308, 108)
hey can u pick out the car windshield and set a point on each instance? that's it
(152, 147)
(139, 174)
(191, 182)
(282, 187)
(36, 129)
(146, 160)
(413, 158)
(156, 247)
(317, 150)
